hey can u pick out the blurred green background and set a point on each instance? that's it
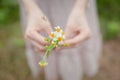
(12, 57)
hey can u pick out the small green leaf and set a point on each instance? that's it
(51, 47)
(46, 47)
(47, 39)
(59, 45)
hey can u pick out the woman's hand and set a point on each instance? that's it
(36, 24)
(77, 29)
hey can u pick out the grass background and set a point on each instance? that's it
(13, 65)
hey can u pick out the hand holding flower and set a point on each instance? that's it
(37, 23)
(77, 29)
(55, 40)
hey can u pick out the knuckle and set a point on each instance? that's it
(29, 34)
(74, 44)
(26, 36)
(42, 48)
(44, 43)
(42, 52)
(89, 34)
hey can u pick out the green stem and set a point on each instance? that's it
(49, 49)
(45, 56)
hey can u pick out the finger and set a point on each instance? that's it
(34, 35)
(38, 47)
(84, 35)
(48, 30)
(36, 50)
(63, 47)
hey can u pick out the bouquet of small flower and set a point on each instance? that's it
(55, 40)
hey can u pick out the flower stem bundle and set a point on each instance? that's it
(55, 40)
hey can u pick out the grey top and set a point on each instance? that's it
(70, 64)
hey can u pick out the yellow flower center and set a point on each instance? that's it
(59, 38)
(58, 29)
(63, 33)
(52, 35)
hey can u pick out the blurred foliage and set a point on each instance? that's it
(18, 42)
(109, 18)
(109, 9)
(1, 45)
(112, 31)
(8, 11)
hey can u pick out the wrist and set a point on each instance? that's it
(80, 6)
(29, 6)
